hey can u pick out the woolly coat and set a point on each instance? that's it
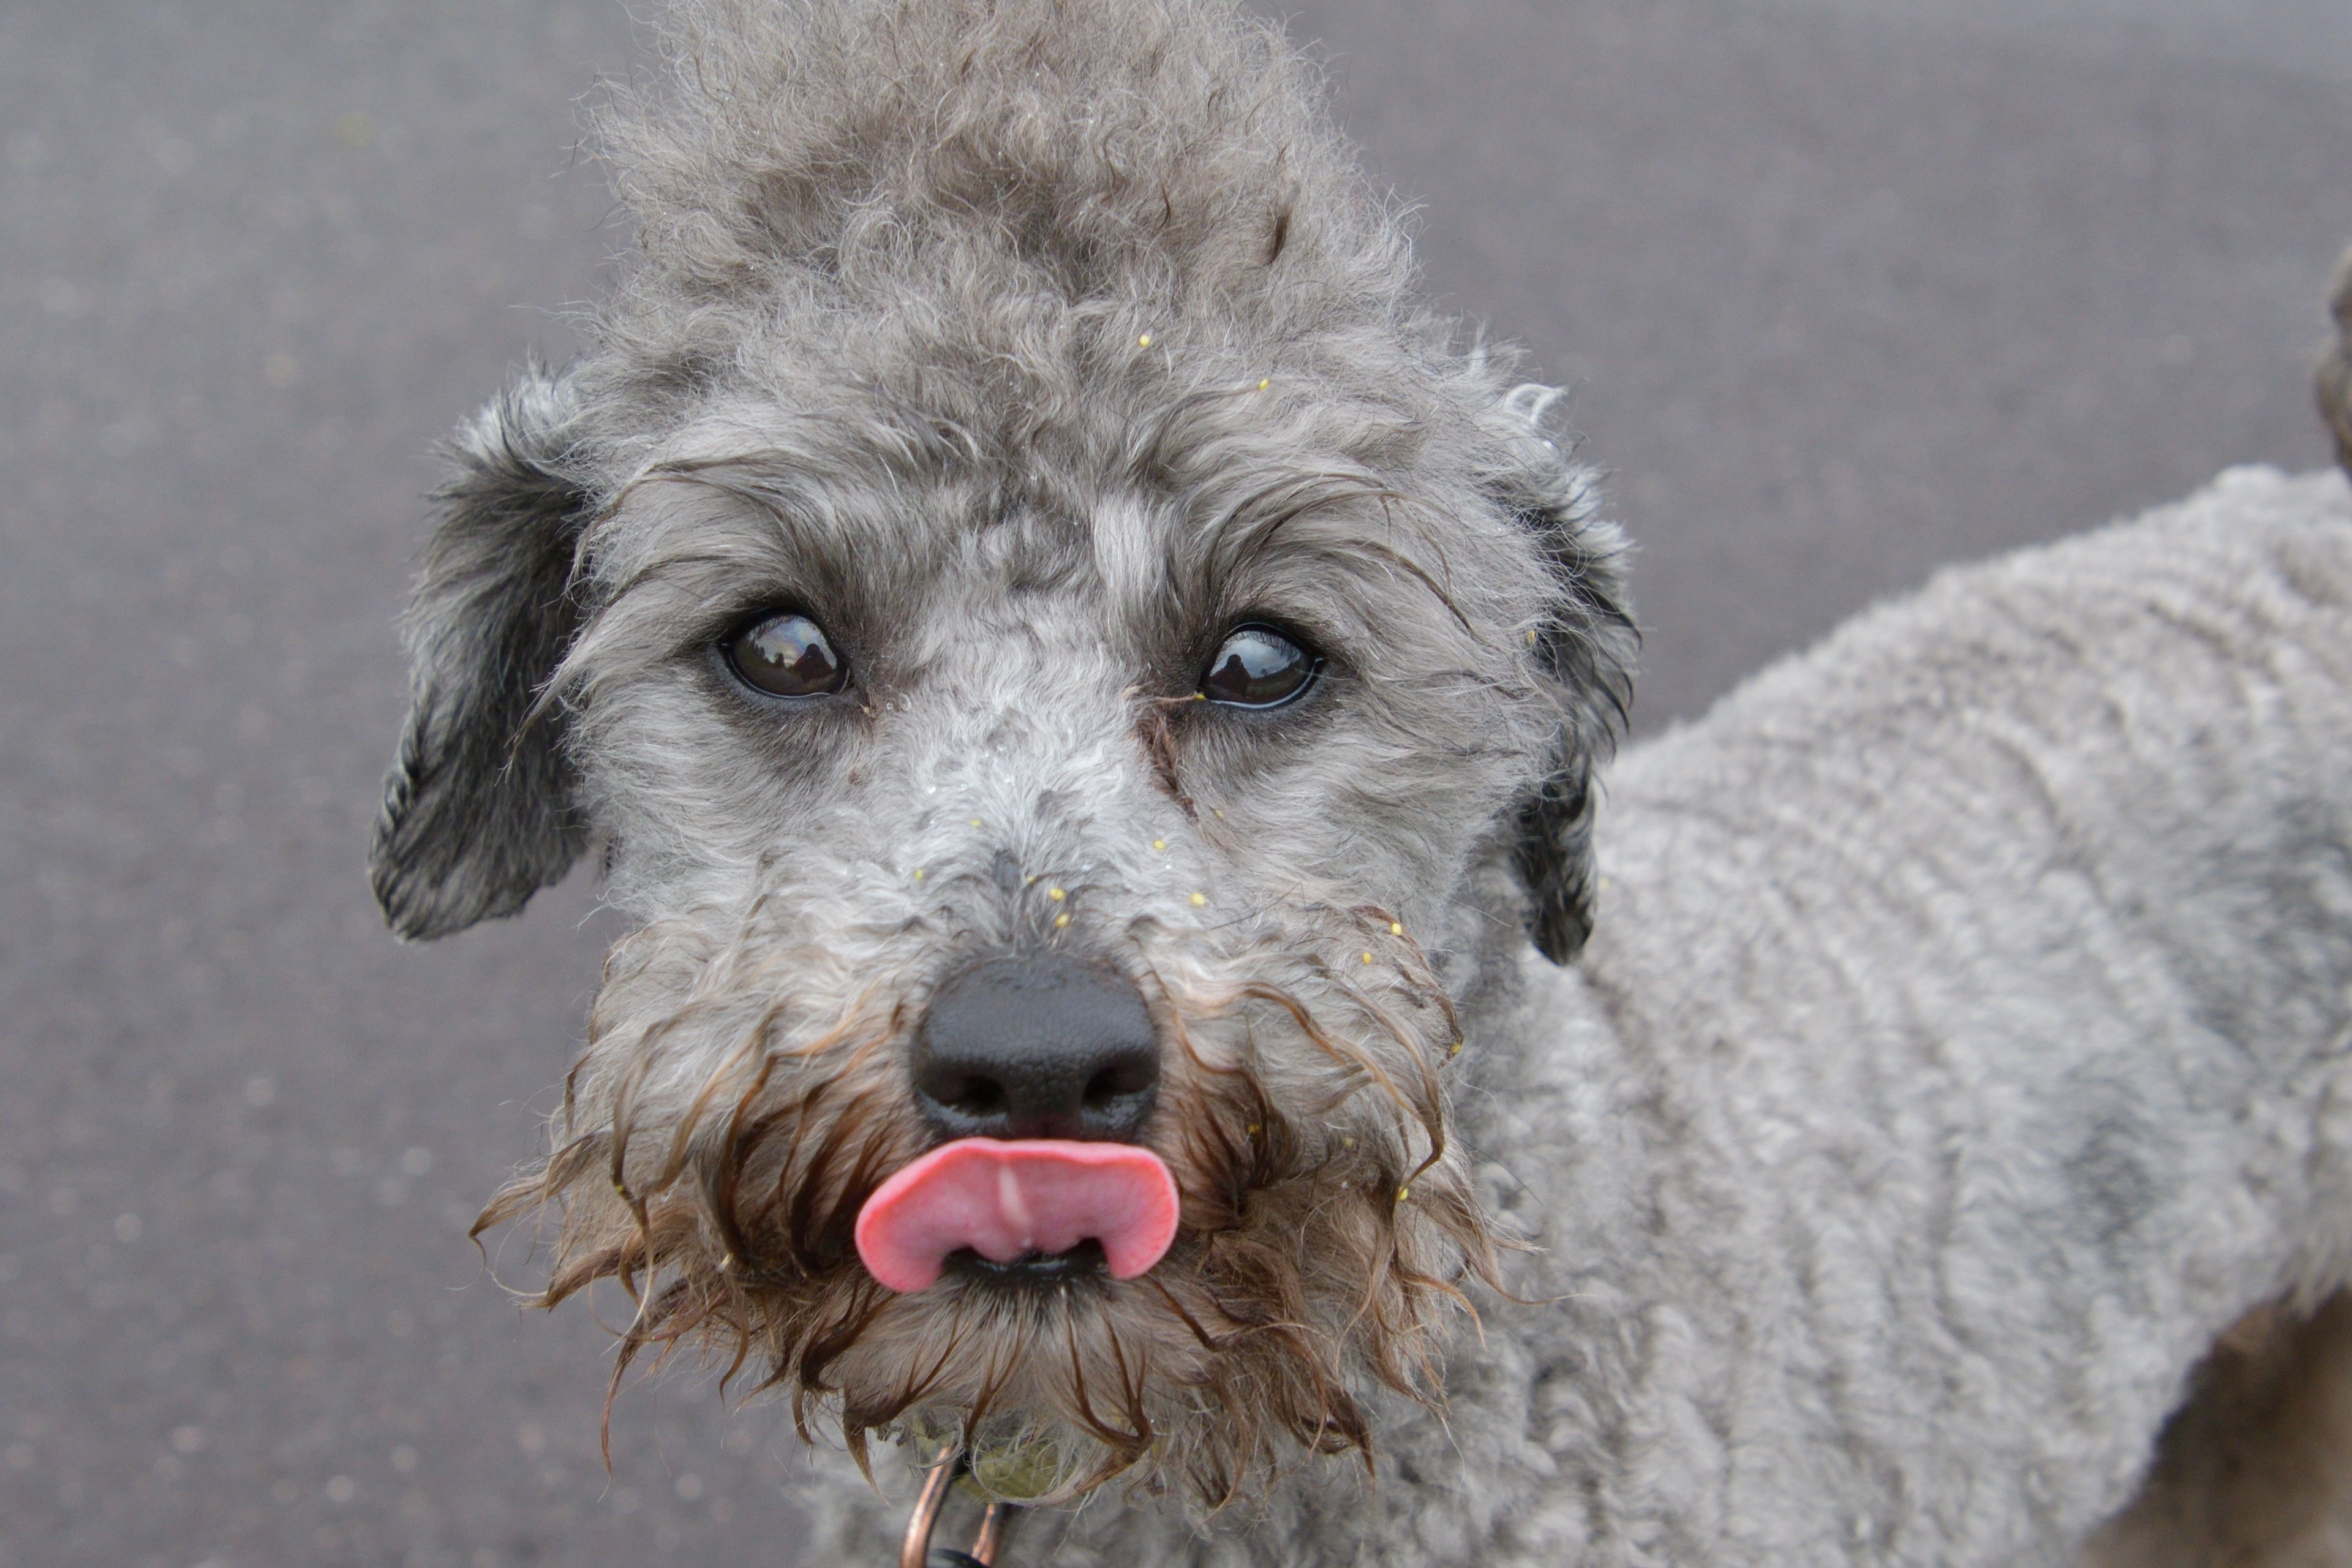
(1959, 1049)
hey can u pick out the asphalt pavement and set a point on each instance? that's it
(1847, 289)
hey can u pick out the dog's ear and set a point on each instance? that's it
(1586, 650)
(480, 810)
(2335, 379)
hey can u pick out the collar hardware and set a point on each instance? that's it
(954, 1461)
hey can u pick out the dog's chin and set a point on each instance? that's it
(1236, 1358)
(1245, 1350)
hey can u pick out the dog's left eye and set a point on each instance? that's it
(1258, 666)
(785, 655)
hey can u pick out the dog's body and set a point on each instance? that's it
(1964, 1046)
(1016, 535)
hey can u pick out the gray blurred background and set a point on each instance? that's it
(1845, 287)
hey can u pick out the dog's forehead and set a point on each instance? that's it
(1166, 502)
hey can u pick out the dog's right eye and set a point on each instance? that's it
(785, 655)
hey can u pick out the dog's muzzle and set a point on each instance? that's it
(1041, 1069)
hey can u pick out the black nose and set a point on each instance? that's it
(1038, 1047)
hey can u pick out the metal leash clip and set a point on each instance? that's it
(918, 1552)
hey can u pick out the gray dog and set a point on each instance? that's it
(1090, 698)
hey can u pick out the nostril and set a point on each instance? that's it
(981, 1098)
(971, 1094)
(1117, 1083)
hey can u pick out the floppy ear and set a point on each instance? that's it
(2334, 383)
(478, 811)
(1586, 647)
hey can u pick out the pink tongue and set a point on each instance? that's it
(1006, 1199)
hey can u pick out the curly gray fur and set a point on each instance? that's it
(1957, 1052)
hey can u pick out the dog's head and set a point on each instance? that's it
(1072, 671)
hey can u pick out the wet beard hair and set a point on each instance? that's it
(1328, 1228)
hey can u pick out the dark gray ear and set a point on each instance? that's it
(2335, 380)
(479, 811)
(1587, 650)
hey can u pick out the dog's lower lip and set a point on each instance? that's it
(1085, 1260)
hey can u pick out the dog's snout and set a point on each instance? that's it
(1037, 1047)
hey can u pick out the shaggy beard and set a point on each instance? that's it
(1326, 1228)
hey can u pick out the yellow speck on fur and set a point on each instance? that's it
(1055, 894)
(1199, 899)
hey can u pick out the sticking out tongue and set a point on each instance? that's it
(1008, 1200)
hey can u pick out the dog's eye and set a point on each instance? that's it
(785, 655)
(1258, 666)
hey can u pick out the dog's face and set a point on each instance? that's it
(1049, 685)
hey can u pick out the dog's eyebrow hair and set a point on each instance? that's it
(1248, 529)
(660, 573)
(1257, 523)
(738, 478)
